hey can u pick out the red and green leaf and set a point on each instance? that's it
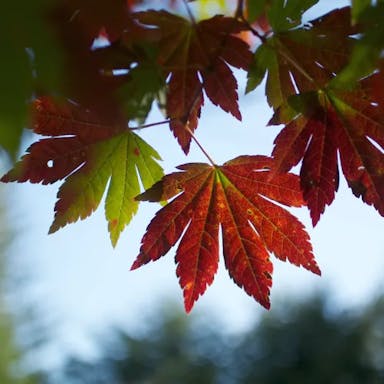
(336, 124)
(88, 154)
(303, 59)
(238, 196)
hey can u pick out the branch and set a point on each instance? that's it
(239, 14)
(190, 14)
(254, 31)
(149, 125)
(200, 146)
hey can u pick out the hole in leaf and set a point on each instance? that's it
(50, 164)
(100, 42)
(376, 144)
(295, 86)
(120, 71)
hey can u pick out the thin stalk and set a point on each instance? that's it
(149, 125)
(297, 66)
(239, 14)
(200, 146)
(254, 31)
(190, 14)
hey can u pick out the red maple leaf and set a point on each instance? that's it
(238, 197)
(333, 123)
(196, 56)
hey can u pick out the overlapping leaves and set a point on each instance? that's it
(332, 124)
(303, 59)
(197, 57)
(322, 121)
(237, 196)
(156, 55)
(89, 154)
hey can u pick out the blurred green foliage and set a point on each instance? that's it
(30, 62)
(367, 53)
(11, 353)
(304, 343)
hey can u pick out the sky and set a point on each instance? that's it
(84, 285)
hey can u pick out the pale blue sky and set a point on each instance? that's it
(86, 285)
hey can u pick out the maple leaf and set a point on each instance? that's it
(196, 57)
(335, 122)
(302, 59)
(238, 196)
(89, 154)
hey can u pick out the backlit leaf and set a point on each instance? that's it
(333, 124)
(303, 59)
(238, 197)
(368, 50)
(197, 56)
(90, 156)
(286, 14)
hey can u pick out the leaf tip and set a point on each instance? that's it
(266, 305)
(134, 266)
(316, 270)
(114, 232)
(140, 261)
(313, 267)
(53, 228)
(315, 219)
(188, 305)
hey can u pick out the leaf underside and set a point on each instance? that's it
(91, 156)
(238, 198)
(329, 128)
(334, 126)
(197, 58)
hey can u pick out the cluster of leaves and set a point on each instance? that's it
(328, 100)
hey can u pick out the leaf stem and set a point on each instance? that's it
(149, 125)
(190, 14)
(239, 14)
(200, 146)
(296, 64)
(262, 38)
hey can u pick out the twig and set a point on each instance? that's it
(149, 125)
(254, 31)
(239, 14)
(190, 14)
(200, 146)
